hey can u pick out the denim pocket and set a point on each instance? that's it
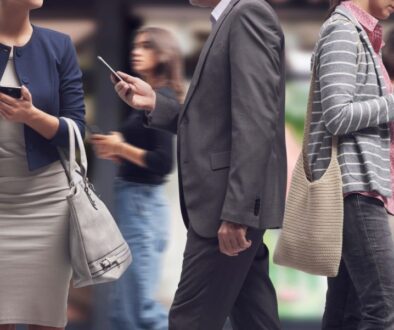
(368, 200)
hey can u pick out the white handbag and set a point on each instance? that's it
(98, 251)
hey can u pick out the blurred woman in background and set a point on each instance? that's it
(353, 100)
(145, 157)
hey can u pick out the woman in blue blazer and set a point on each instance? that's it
(35, 272)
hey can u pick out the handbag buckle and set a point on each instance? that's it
(106, 264)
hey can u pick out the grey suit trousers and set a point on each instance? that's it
(214, 286)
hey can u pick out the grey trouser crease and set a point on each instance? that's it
(214, 286)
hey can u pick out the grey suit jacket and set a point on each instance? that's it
(231, 143)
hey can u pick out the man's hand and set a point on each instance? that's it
(232, 239)
(135, 92)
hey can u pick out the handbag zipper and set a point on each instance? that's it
(91, 200)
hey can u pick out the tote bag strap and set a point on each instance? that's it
(73, 132)
(307, 128)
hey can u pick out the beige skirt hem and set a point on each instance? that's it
(44, 323)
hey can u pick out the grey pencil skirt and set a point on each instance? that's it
(35, 268)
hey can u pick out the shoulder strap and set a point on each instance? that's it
(308, 120)
(73, 131)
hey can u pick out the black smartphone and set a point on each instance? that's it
(15, 92)
(114, 74)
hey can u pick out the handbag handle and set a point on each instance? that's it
(73, 131)
(334, 141)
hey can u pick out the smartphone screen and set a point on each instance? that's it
(15, 92)
(116, 76)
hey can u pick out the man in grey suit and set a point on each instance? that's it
(231, 164)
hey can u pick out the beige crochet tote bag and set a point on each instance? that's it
(311, 238)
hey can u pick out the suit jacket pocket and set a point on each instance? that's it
(220, 160)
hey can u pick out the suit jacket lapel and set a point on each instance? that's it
(204, 54)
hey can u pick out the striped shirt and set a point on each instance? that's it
(375, 34)
(351, 101)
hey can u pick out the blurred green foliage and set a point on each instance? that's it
(296, 106)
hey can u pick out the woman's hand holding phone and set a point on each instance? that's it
(17, 110)
(107, 146)
(135, 92)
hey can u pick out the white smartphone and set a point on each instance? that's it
(110, 68)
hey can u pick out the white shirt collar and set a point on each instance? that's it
(219, 9)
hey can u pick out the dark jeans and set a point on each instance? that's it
(214, 286)
(361, 297)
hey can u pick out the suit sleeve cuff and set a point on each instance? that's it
(246, 216)
(150, 116)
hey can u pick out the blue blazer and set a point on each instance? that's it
(47, 65)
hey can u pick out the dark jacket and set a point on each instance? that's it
(47, 65)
